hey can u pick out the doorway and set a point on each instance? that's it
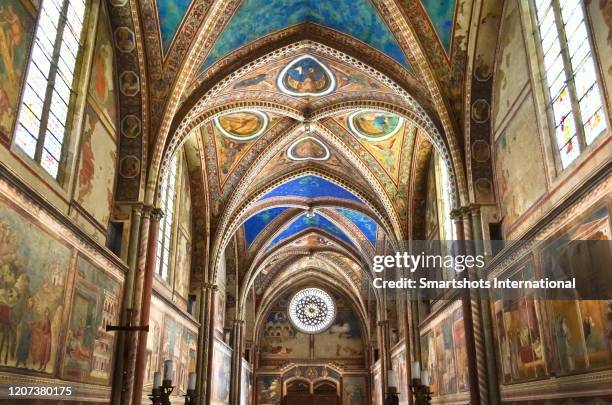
(323, 393)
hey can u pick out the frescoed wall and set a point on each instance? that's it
(56, 297)
(16, 33)
(96, 173)
(343, 339)
(268, 390)
(354, 390)
(398, 364)
(246, 390)
(443, 352)
(280, 340)
(96, 303)
(537, 339)
(221, 367)
(171, 337)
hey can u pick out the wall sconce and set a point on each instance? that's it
(190, 396)
(391, 397)
(420, 384)
(160, 394)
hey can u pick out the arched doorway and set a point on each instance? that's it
(298, 393)
(325, 393)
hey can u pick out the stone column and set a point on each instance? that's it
(475, 298)
(120, 371)
(147, 291)
(485, 312)
(385, 354)
(205, 342)
(237, 347)
(134, 315)
(466, 309)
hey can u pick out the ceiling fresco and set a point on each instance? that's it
(170, 14)
(258, 222)
(442, 14)
(257, 18)
(310, 221)
(232, 136)
(310, 187)
(305, 77)
(364, 223)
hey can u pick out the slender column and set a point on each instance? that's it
(481, 366)
(485, 312)
(385, 355)
(147, 291)
(205, 342)
(211, 343)
(236, 375)
(467, 319)
(133, 315)
(120, 371)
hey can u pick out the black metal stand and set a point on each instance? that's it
(190, 397)
(422, 395)
(392, 399)
(161, 395)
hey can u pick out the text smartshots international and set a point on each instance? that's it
(444, 269)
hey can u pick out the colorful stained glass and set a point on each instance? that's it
(585, 92)
(60, 26)
(595, 125)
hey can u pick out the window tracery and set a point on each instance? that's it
(48, 89)
(312, 310)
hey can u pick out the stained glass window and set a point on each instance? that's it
(44, 108)
(168, 194)
(312, 310)
(571, 76)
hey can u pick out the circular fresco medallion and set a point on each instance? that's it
(308, 148)
(312, 310)
(306, 76)
(374, 125)
(243, 125)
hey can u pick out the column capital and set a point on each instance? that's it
(137, 208)
(157, 214)
(209, 286)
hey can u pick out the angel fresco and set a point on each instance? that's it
(306, 76)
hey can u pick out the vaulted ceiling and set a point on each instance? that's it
(306, 124)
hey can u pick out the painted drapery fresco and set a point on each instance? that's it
(16, 32)
(221, 367)
(89, 347)
(97, 164)
(398, 362)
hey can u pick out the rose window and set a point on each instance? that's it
(312, 310)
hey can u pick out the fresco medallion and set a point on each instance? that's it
(306, 76)
(243, 125)
(308, 148)
(374, 126)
